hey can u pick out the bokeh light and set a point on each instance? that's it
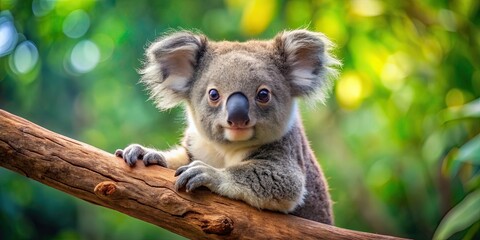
(396, 70)
(25, 57)
(367, 8)
(76, 24)
(350, 91)
(8, 34)
(42, 7)
(85, 56)
(257, 16)
(454, 98)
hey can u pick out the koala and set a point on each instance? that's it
(244, 137)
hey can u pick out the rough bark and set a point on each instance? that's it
(145, 193)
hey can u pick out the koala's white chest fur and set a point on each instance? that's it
(214, 154)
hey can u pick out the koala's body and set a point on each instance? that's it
(244, 138)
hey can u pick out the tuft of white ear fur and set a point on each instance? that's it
(310, 65)
(170, 66)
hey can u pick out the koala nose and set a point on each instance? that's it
(237, 110)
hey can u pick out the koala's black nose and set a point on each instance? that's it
(237, 110)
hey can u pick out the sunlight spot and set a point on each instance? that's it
(454, 98)
(85, 56)
(392, 76)
(8, 35)
(349, 91)
(257, 16)
(76, 24)
(42, 7)
(367, 8)
(25, 57)
(395, 70)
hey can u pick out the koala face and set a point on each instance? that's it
(238, 93)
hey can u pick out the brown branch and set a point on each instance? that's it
(148, 194)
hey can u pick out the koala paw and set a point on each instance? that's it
(198, 174)
(135, 152)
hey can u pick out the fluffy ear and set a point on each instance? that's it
(170, 67)
(310, 66)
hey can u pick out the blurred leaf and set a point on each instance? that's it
(469, 110)
(470, 152)
(466, 158)
(448, 162)
(473, 183)
(463, 215)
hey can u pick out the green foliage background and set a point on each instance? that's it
(398, 139)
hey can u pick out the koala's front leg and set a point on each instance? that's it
(172, 159)
(259, 183)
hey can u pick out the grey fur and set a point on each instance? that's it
(268, 163)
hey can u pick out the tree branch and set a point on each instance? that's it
(148, 194)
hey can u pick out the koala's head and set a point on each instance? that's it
(239, 92)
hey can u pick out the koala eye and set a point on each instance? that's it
(263, 96)
(213, 95)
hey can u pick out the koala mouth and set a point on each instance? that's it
(235, 134)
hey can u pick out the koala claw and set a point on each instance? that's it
(180, 170)
(154, 158)
(119, 153)
(195, 175)
(136, 152)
